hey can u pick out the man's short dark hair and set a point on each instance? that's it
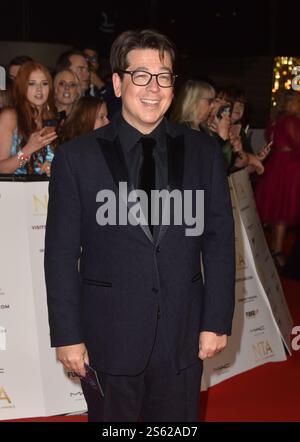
(63, 61)
(145, 39)
(19, 61)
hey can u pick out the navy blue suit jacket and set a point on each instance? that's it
(106, 283)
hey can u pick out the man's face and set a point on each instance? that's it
(92, 58)
(143, 107)
(80, 66)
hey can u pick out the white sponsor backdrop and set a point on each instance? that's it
(33, 382)
(262, 323)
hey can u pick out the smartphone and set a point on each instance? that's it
(91, 380)
(50, 125)
(224, 110)
(264, 151)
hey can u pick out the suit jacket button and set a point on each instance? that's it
(157, 249)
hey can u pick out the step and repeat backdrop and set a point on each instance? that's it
(33, 383)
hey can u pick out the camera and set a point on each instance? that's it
(50, 125)
(224, 110)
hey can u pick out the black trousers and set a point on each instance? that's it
(158, 394)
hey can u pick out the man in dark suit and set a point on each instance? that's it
(126, 297)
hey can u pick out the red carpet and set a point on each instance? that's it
(267, 393)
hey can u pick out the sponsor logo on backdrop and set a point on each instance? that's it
(247, 299)
(72, 374)
(40, 204)
(258, 330)
(251, 313)
(76, 396)
(5, 400)
(4, 306)
(39, 227)
(1, 370)
(245, 208)
(222, 368)
(262, 350)
(240, 190)
(3, 332)
(244, 278)
(240, 262)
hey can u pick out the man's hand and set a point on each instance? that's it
(211, 344)
(73, 357)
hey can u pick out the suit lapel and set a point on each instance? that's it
(176, 154)
(113, 154)
(114, 157)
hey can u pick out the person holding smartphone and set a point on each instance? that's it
(218, 125)
(26, 147)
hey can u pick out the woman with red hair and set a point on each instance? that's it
(25, 146)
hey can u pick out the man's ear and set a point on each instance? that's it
(117, 84)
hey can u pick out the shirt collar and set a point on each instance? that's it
(129, 135)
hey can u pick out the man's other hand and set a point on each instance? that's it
(210, 344)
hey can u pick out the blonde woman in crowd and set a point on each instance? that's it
(193, 104)
(66, 91)
(25, 145)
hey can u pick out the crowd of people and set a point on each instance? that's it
(39, 111)
(77, 100)
(42, 112)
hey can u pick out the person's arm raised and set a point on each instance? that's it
(37, 140)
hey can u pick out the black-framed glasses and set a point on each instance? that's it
(142, 78)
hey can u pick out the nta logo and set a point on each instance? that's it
(4, 396)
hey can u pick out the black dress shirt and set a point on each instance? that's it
(132, 149)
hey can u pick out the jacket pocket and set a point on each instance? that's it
(97, 283)
(197, 277)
